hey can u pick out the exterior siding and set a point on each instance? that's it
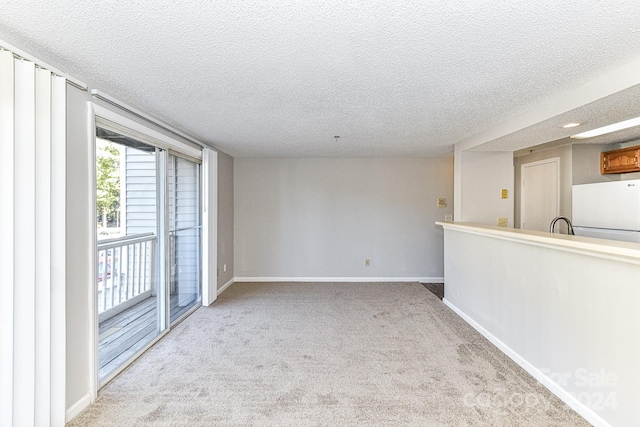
(141, 192)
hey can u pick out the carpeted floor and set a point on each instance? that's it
(304, 354)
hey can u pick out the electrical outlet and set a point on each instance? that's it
(505, 193)
(448, 217)
(441, 202)
(367, 262)
(502, 222)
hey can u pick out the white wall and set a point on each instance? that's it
(321, 218)
(80, 251)
(482, 176)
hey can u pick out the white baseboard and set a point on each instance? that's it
(225, 286)
(584, 411)
(340, 279)
(78, 407)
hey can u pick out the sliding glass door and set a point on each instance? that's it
(148, 252)
(184, 235)
(130, 295)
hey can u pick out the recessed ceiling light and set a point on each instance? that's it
(571, 125)
(608, 129)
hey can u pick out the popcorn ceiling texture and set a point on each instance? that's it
(611, 109)
(281, 78)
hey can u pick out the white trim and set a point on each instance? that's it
(158, 138)
(209, 215)
(161, 257)
(552, 386)
(225, 286)
(92, 295)
(340, 279)
(75, 409)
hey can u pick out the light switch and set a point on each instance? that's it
(442, 202)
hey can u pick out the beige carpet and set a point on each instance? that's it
(304, 354)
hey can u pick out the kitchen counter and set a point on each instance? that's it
(623, 251)
(563, 307)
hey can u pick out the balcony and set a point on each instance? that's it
(128, 313)
(127, 300)
(125, 273)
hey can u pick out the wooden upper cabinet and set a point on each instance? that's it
(620, 161)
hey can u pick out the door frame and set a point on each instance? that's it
(556, 161)
(168, 145)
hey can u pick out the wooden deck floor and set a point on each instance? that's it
(123, 335)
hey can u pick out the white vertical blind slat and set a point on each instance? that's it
(32, 247)
(58, 251)
(24, 246)
(6, 231)
(43, 247)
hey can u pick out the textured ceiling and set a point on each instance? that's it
(283, 77)
(614, 108)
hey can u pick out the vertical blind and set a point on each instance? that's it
(32, 244)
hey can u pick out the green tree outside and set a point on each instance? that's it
(108, 184)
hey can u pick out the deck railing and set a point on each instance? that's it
(126, 271)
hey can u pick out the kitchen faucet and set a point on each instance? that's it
(565, 219)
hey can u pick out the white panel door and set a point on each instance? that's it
(540, 193)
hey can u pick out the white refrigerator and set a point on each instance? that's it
(607, 210)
